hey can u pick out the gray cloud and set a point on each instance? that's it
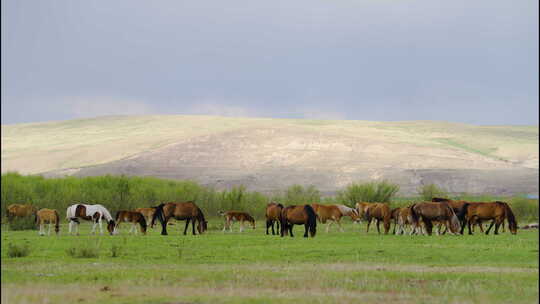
(474, 62)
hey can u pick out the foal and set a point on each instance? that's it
(232, 216)
(48, 216)
(273, 213)
(132, 217)
(148, 214)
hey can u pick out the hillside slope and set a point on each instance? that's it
(267, 154)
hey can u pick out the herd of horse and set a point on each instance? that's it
(419, 218)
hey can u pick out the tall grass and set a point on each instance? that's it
(122, 192)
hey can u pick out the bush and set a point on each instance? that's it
(428, 192)
(23, 223)
(85, 250)
(18, 251)
(381, 192)
(116, 251)
(524, 209)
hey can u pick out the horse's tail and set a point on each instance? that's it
(462, 212)
(57, 216)
(414, 215)
(512, 223)
(283, 222)
(117, 216)
(312, 219)
(158, 214)
(142, 222)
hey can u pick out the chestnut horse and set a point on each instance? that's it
(273, 213)
(232, 216)
(298, 215)
(377, 211)
(494, 211)
(148, 214)
(132, 217)
(427, 212)
(457, 206)
(19, 210)
(334, 214)
(48, 216)
(187, 211)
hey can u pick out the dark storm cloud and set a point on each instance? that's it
(474, 62)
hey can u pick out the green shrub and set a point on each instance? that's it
(524, 209)
(84, 250)
(428, 192)
(18, 250)
(382, 192)
(23, 223)
(116, 251)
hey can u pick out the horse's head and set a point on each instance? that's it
(355, 217)
(202, 226)
(111, 227)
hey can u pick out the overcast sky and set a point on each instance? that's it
(385, 60)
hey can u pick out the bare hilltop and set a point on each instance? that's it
(269, 154)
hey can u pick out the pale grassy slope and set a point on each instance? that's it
(42, 147)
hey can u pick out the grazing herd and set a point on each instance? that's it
(419, 218)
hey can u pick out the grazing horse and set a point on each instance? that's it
(148, 214)
(351, 212)
(298, 215)
(273, 214)
(232, 216)
(377, 211)
(93, 213)
(494, 211)
(427, 212)
(48, 216)
(333, 213)
(404, 218)
(394, 216)
(133, 217)
(457, 206)
(19, 210)
(187, 211)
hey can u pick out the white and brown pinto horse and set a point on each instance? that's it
(94, 213)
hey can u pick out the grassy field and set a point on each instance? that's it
(350, 267)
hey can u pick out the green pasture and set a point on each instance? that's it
(251, 267)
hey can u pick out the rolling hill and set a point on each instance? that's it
(269, 154)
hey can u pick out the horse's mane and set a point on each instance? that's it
(440, 199)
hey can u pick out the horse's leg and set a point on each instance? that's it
(225, 226)
(100, 228)
(378, 230)
(498, 223)
(481, 225)
(339, 224)
(491, 225)
(328, 226)
(429, 226)
(502, 223)
(185, 228)
(49, 232)
(267, 226)
(94, 228)
(77, 227)
(290, 229)
(193, 226)
(305, 233)
(386, 224)
(241, 226)
(277, 226)
(368, 223)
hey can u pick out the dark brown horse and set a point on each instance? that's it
(428, 212)
(298, 215)
(273, 214)
(457, 206)
(497, 212)
(187, 211)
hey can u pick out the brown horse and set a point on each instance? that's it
(232, 216)
(298, 215)
(333, 213)
(394, 216)
(404, 218)
(494, 211)
(48, 216)
(19, 210)
(273, 213)
(457, 206)
(148, 214)
(187, 211)
(428, 212)
(132, 217)
(378, 211)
